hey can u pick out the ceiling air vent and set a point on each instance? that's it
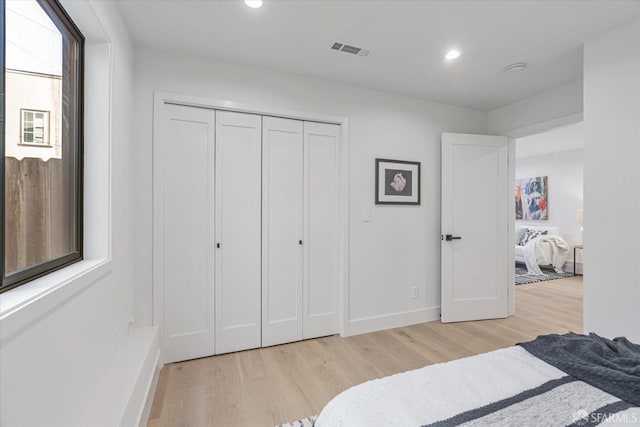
(346, 48)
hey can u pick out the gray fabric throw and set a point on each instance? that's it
(610, 365)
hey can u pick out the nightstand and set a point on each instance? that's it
(574, 257)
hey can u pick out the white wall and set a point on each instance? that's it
(75, 363)
(556, 107)
(612, 198)
(399, 248)
(565, 171)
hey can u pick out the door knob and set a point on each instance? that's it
(449, 237)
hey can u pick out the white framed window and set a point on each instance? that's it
(35, 127)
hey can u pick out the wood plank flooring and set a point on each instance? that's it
(269, 386)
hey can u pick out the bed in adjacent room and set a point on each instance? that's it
(554, 380)
(540, 246)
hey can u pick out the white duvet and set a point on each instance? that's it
(435, 392)
(554, 250)
(442, 391)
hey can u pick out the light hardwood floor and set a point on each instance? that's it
(268, 386)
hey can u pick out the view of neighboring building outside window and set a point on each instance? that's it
(35, 127)
(42, 159)
(33, 80)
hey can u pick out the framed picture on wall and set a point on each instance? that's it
(397, 182)
(532, 198)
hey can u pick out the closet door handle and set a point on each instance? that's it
(300, 242)
(218, 245)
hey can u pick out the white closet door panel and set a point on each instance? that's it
(322, 225)
(238, 221)
(186, 258)
(282, 141)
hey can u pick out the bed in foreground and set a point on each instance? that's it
(554, 380)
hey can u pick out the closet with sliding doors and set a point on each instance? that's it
(246, 230)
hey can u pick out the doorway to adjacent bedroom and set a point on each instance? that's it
(548, 206)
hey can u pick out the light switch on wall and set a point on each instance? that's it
(366, 215)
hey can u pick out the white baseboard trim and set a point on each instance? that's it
(568, 267)
(120, 397)
(151, 392)
(144, 386)
(394, 320)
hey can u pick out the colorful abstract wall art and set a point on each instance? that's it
(532, 198)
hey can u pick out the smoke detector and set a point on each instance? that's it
(353, 50)
(516, 68)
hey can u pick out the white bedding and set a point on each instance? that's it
(543, 252)
(439, 392)
(558, 252)
(549, 249)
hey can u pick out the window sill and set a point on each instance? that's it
(35, 144)
(25, 304)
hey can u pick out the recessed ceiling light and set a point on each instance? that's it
(254, 4)
(452, 54)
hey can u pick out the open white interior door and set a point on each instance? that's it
(475, 246)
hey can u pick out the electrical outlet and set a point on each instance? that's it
(414, 292)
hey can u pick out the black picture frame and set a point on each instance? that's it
(397, 182)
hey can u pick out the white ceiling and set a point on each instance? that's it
(410, 39)
(561, 139)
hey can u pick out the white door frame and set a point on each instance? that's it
(514, 134)
(160, 99)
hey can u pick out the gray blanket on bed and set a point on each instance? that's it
(610, 365)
